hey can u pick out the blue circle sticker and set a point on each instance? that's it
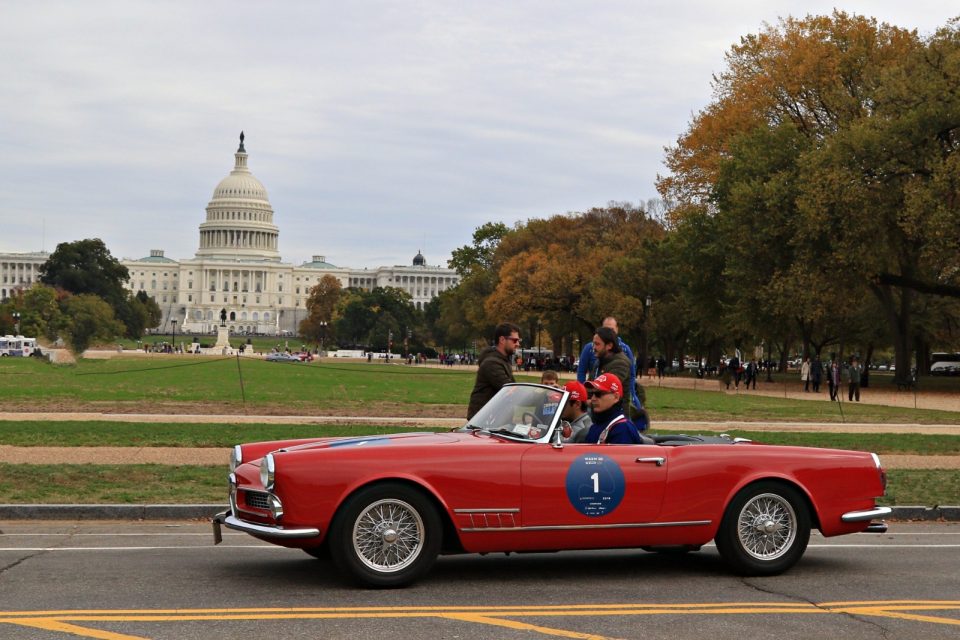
(595, 485)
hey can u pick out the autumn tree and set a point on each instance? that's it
(876, 111)
(321, 304)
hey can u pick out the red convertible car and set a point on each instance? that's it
(384, 507)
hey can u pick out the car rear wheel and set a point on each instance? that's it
(765, 529)
(386, 535)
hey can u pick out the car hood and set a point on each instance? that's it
(416, 439)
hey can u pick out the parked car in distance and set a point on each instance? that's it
(383, 507)
(282, 356)
(945, 369)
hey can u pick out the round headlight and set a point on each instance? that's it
(267, 470)
(236, 457)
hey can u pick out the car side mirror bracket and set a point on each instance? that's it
(563, 430)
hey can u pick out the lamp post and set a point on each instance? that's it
(646, 333)
(173, 336)
(539, 352)
(323, 333)
(16, 323)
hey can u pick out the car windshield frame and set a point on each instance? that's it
(503, 415)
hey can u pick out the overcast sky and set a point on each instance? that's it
(377, 128)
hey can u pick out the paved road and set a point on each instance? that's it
(118, 581)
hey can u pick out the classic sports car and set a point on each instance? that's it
(383, 507)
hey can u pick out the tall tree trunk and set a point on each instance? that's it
(899, 321)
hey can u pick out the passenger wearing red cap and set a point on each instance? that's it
(575, 411)
(609, 426)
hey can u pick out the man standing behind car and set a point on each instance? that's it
(494, 368)
(588, 366)
(610, 357)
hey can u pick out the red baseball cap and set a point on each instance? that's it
(577, 391)
(608, 382)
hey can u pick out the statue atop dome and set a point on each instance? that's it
(241, 149)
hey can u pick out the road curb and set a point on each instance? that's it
(205, 511)
(109, 511)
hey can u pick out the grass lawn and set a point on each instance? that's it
(162, 484)
(194, 384)
(179, 434)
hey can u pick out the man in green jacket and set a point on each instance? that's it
(612, 359)
(495, 366)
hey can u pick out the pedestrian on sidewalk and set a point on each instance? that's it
(816, 374)
(854, 373)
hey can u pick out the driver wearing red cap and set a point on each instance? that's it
(609, 426)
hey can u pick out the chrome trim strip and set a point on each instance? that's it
(229, 520)
(574, 527)
(870, 514)
(486, 510)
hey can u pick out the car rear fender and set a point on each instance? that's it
(779, 478)
(451, 539)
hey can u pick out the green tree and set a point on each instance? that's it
(90, 319)
(87, 267)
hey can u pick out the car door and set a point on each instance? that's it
(593, 484)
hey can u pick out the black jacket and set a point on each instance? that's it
(494, 372)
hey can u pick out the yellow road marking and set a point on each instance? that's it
(63, 627)
(502, 616)
(522, 626)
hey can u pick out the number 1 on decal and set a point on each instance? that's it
(596, 482)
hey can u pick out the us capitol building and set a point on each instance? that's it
(237, 267)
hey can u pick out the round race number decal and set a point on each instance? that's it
(595, 485)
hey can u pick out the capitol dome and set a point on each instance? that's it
(240, 185)
(239, 220)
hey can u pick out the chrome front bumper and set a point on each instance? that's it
(227, 519)
(869, 514)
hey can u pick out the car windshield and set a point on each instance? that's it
(522, 411)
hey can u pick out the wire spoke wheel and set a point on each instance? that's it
(765, 529)
(388, 535)
(767, 526)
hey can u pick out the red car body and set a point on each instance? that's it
(479, 491)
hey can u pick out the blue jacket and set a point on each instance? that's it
(622, 432)
(588, 369)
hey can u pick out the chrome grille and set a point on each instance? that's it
(257, 499)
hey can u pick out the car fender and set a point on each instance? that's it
(760, 476)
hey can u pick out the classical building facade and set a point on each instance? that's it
(237, 268)
(19, 271)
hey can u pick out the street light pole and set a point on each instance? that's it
(16, 323)
(173, 336)
(323, 333)
(646, 332)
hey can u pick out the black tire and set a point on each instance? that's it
(385, 536)
(320, 553)
(765, 529)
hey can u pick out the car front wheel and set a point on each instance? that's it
(386, 535)
(765, 529)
